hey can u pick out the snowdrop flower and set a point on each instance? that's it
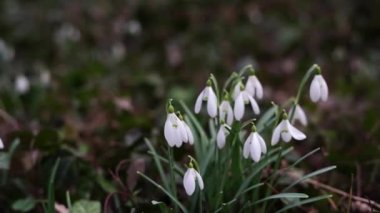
(241, 100)
(318, 88)
(208, 95)
(190, 179)
(254, 146)
(222, 135)
(174, 131)
(225, 110)
(299, 114)
(286, 131)
(22, 84)
(1, 144)
(253, 86)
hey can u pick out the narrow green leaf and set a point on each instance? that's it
(282, 196)
(310, 175)
(51, 198)
(165, 191)
(158, 163)
(300, 203)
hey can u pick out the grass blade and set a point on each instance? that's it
(310, 175)
(282, 196)
(300, 203)
(165, 191)
(51, 198)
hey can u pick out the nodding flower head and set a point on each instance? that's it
(176, 131)
(318, 88)
(22, 84)
(208, 95)
(254, 146)
(244, 98)
(225, 110)
(190, 179)
(253, 86)
(286, 131)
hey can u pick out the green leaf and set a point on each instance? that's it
(47, 140)
(86, 206)
(51, 196)
(24, 205)
(165, 191)
(282, 196)
(310, 175)
(300, 203)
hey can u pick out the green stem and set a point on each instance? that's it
(306, 77)
(200, 202)
(172, 178)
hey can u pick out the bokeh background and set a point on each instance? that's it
(99, 73)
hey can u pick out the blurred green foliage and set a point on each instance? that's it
(101, 71)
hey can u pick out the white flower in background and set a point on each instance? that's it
(208, 95)
(254, 87)
(226, 112)
(254, 146)
(299, 114)
(221, 136)
(1, 144)
(318, 89)
(174, 131)
(286, 131)
(7, 52)
(241, 100)
(22, 84)
(190, 179)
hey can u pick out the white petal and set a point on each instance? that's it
(230, 115)
(199, 180)
(169, 133)
(277, 132)
(286, 136)
(249, 86)
(221, 138)
(236, 91)
(183, 132)
(212, 103)
(1, 144)
(254, 105)
(198, 103)
(189, 182)
(239, 107)
(189, 134)
(315, 89)
(324, 88)
(300, 115)
(259, 88)
(295, 133)
(255, 148)
(222, 111)
(247, 147)
(178, 135)
(263, 145)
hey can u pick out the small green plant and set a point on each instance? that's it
(229, 172)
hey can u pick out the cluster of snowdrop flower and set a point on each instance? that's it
(177, 132)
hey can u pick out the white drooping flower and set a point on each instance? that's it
(318, 89)
(254, 146)
(299, 114)
(190, 179)
(22, 84)
(174, 131)
(225, 112)
(286, 131)
(221, 136)
(254, 87)
(208, 95)
(241, 100)
(1, 144)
